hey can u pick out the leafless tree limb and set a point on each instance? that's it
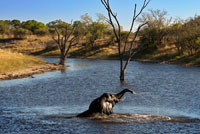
(117, 32)
(64, 39)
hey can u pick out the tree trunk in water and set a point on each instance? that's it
(62, 60)
(122, 76)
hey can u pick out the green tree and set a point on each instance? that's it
(198, 43)
(175, 34)
(20, 32)
(80, 31)
(4, 27)
(35, 27)
(96, 30)
(15, 23)
(189, 37)
(41, 31)
(93, 30)
(60, 25)
(154, 32)
(186, 35)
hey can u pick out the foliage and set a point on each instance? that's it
(81, 29)
(20, 32)
(161, 32)
(156, 29)
(60, 25)
(41, 31)
(95, 31)
(183, 35)
(4, 27)
(15, 23)
(15, 27)
(34, 26)
(198, 42)
(187, 36)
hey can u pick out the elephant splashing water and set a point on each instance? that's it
(104, 104)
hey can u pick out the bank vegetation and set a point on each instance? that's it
(164, 39)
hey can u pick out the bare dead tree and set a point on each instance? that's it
(65, 41)
(124, 48)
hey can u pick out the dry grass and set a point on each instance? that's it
(34, 45)
(10, 61)
(26, 45)
(168, 54)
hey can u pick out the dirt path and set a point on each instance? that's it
(30, 71)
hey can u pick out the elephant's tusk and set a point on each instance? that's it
(122, 99)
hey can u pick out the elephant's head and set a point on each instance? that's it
(108, 100)
(105, 103)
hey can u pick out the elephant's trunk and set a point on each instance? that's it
(120, 94)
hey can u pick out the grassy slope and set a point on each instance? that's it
(43, 46)
(82, 52)
(10, 61)
(168, 54)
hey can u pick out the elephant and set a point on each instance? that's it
(104, 104)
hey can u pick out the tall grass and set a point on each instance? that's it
(10, 61)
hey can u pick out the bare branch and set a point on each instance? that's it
(58, 35)
(54, 39)
(70, 44)
(110, 14)
(62, 39)
(131, 50)
(135, 16)
(117, 32)
(67, 38)
(58, 40)
(133, 21)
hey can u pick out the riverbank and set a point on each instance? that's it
(160, 56)
(15, 65)
(167, 62)
(45, 46)
(29, 72)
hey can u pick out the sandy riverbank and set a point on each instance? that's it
(31, 71)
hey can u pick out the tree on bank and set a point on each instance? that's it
(65, 37)
(152, 35)
(35, 27)
(126, 49)
(93, 30)
(4, 27)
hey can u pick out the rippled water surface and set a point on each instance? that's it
(48, 103)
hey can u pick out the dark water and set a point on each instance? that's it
(47, 103)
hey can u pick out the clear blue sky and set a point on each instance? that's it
(49, 10)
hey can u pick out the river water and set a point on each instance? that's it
(48, 103)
